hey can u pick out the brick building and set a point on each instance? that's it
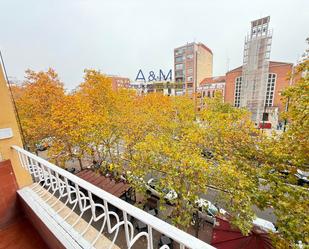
(209, 86)
(276, 82)
(258, 83)
(192, 63)
(119, 82)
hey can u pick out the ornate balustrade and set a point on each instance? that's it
(68, 199)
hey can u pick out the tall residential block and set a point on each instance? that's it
(192, 63)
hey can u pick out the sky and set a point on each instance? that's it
(119, 37)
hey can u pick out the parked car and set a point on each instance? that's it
(206, 206)
(168, 194)
(302, 177)
(44, 144)
(265, 224)
(207, 153)
(206, 211)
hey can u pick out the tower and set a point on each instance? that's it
(255, 68)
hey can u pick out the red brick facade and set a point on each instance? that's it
(281, 70)
(230, 78)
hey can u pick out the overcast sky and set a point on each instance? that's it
(121, 36)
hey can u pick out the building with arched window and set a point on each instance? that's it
(257, 84)
(277, 80)
(209, 86)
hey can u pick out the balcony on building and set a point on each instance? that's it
(63, 210)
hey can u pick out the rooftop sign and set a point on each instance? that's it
(153, 77)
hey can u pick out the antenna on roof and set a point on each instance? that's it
(227, 64)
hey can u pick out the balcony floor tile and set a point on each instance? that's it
(21, 235)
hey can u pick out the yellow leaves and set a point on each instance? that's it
(163, 137)
(34, 101)
(287, 153)
(294, 144)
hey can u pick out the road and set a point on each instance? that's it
(211, 195)
(267, 214)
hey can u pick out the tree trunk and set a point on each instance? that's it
(80, 163)
(197, 224)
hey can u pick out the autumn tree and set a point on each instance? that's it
(229, 138)
(141, 116)
(282, 156)
(249, 165)
(220, 148)
(72, 121)
(188, 152)
(294, 142)
(166, 150)
(38, 92)
(105, 131)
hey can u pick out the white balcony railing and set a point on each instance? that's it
(81, 197)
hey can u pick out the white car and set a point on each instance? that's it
(267, 225)
(168, 194)
(212, 210)
(207, 206)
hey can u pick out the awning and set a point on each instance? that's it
(226, 237)
(116, 188)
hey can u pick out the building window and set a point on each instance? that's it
(190, 70)
(179, 73)
(178, 51)
(179, 66)
(190, 56)
(208, 94)
(270, 89)
(238, 81)
(179, 59)
(190, 78)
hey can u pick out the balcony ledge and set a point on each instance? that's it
(50, 197)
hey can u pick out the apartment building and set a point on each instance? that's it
(192, 63)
